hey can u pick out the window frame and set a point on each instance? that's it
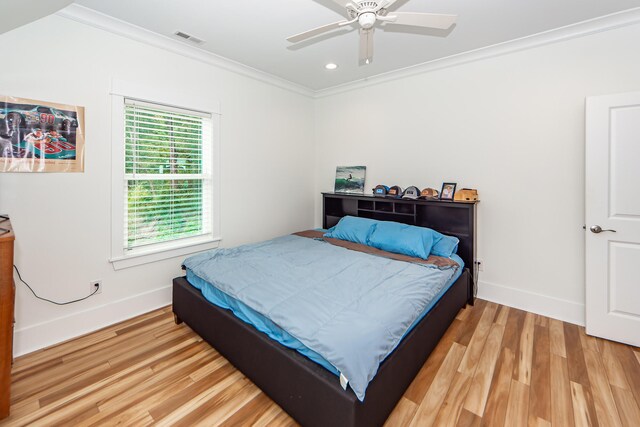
(121, 257)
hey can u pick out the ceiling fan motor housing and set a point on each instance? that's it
(367, 19)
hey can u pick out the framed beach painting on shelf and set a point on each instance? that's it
(350, 179)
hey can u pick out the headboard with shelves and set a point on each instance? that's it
(452, 218)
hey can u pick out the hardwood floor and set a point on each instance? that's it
(495, 366)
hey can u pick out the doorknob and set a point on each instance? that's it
(597, 229)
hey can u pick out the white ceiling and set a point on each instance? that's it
(253, 32)
(15, 14)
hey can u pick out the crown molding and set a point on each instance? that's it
(580, 29)
(592, 26)
(108, 23)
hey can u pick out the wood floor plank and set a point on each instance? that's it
(627, 406)
(556, 338)
(468, 419)
(560, 392)
(428, 409)
(273, 415)
(163, 409)
(503, 315)
(250, 413)
(538, 422)
(282, 420)
(221, 405)
(172, 378)
(517, 405)
(191, 409)
(476, 344)
(613, 366)
(402, 414)
(472, 321)
(606, 409)
(539, 392)
(463, 314)
(423, 380)
(119, 373)
(452, 405)
(142, 326)
(481, 382)
(575, 355)
(137, 408)
(58, 410)
(587, 341)
(627, 358)
(496, 407)
(135, 419)
(149, 371)
(513, 329)
(525, 351)
(583, 409)
(542, 321)
(29, 389)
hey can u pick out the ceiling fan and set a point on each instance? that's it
(367, 13)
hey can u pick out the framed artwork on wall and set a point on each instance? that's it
(40, 136)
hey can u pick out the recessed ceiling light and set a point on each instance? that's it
(331, 66)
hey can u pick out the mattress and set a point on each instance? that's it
(243, 310)
(275, 332)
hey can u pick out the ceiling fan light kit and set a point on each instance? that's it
(365, 14)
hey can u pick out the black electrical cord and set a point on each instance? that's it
(48, 300)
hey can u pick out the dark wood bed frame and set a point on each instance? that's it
(305, 390)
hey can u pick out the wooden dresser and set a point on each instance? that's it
(7, 297)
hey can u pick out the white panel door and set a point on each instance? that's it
(613, 217)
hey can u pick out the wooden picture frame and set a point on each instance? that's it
(450, 188)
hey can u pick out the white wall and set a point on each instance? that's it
(62, 221)
(512, 127)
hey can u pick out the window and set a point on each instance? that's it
(165, 186)
(167, 174)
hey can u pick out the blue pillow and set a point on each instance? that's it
(402, 239)
(444, 245)
(352, 229)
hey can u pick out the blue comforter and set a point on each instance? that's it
(351, 308)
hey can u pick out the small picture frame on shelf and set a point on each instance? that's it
(448, 190)
(350, 179)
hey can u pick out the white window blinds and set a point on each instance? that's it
(167, 173)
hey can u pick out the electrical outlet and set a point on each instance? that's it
(92, 286)
(480, 264)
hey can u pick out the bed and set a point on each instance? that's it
(308, 389)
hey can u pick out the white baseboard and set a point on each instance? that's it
(35, 337)
(556, 308)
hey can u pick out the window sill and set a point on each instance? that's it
(156, 254)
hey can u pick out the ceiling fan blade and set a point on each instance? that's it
(366, 45)
(316, 31)
(429, 20)
(343, 3)
(384, 4)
